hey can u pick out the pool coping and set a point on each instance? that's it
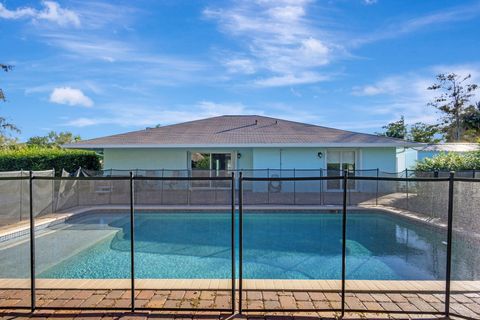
(248, 284)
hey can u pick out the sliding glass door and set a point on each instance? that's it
(337, 162)
(210, 165)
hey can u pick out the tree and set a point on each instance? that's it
(471, 123)
(396, 129)
(53, 139)
(422, 132)
(418, 132)
(6, 68)
(452, 102)
(5, 126)
(5, 129)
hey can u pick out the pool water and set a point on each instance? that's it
(292, 245)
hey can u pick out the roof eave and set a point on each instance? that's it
(245, 145)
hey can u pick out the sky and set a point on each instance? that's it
(97, 68)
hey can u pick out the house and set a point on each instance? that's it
(246, 142)
(408, 157)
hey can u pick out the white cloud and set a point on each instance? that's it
(51, 12)
(290, 79)
(83, 122)
(278, 38)
(407, 94)
(244, 66)
(133, 115)
(369, 2)
(91, 47)
(389, 85)
(16, 14)
(287, 13)
(443, 17)
(98, 14)
(70, 96)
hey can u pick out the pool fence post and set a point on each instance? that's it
(449, 243)
(32, 243)
(132, 241)
(268, 186)
(21, 194)
(53, 192)
(161, 186)
(376, 192)
(189, 175)
(406, 184)
(215, 185)
(240, 242)
(294, 188)
(110, 189)
(432, 202)
(232, 195)
(320, 185)
(77, 186)
(344, 238)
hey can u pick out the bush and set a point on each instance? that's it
(36, 158)
(451, 162)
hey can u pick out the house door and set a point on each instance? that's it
(337, 162)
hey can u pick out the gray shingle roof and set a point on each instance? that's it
(451, 147)
(237, 130)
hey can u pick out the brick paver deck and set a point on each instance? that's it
(466, 304)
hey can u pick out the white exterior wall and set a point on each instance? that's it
(256, 158)
(264, 158)
(171, 159)
(288, 158)
(246, 159)
(382, 158)
(129, 159)
(302, 158)
(307, 158)
(385, 159)
(406, 158)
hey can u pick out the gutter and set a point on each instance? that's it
(241, 145)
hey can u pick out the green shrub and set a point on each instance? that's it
(451, 162)
(37, 158)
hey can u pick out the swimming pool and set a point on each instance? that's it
(277, 245)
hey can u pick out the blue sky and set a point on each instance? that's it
(103, 67)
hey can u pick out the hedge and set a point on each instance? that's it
(451, 162)
(48, 158)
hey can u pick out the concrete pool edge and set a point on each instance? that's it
(248, 284)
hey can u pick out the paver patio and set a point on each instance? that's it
(466, 304)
